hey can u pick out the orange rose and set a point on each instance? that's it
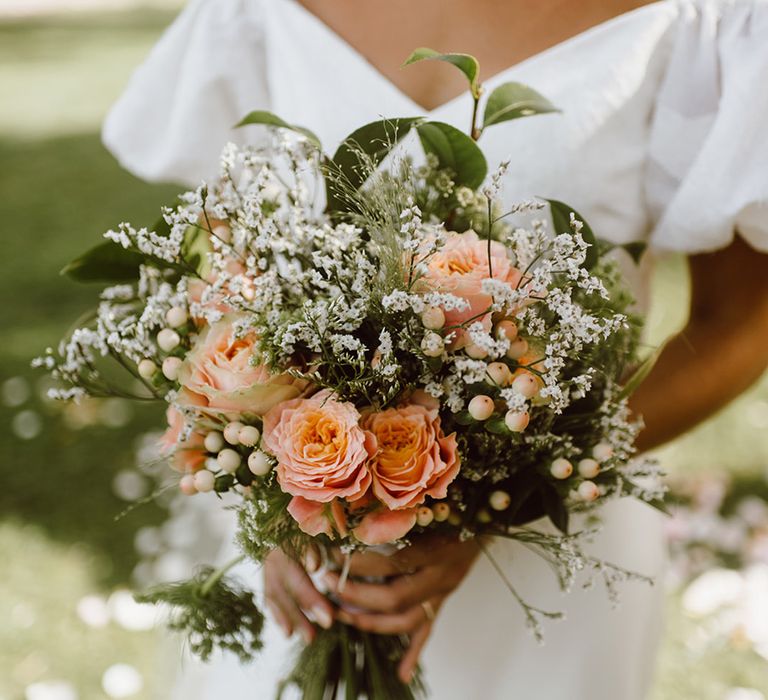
(220, 369)
(460, 267)
(321, 450)
(413, 459)
(385, 526)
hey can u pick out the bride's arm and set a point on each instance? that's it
(722, 350)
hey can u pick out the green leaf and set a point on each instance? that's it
(269, 119)
(454, 150)
(635, 250)
(561, 221)
(513, 101)
(463, 418)
(195, 249)
(463, 61)
(555, 508)
(641, 373)
(497, 426)
(106, 262)
(371, 142)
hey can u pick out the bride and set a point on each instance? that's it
(662, 138)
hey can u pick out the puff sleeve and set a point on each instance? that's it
(707, 173)
(206, 72)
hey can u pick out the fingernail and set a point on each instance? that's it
(284, 627)
(311, 561)
(322, 616)
(307, 636)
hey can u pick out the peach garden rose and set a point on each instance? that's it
(222, 370)
(413, 459)
(321, 450)
(460, 267)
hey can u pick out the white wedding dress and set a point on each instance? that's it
(663, 137)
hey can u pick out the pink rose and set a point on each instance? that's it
(220, 369)
(384, 526)
(185, 455)
(320, 448)
(315, 518)
(460, 267)
(413, 458)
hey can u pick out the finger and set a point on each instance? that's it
(399, 623)
(280, 617)
(410, 659)
(301, 588)
(394, 596)
(298, 620)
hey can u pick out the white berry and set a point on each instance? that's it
(506, 329)
(168, 339)
(589, 468)
(475, 351)
(176, 317)
(499, 500)
(588, 491)
(517, 349)
(228, 461)
(204, 481)
(433, 318)
(526, 385)
(517, 421)
(147, 369)
(211, 464)
(561, 468)
(171, 367)
(259, 463)
(441, 511)
(481, 407)
(232, 432)
(249, 435)
(602, 451)
(499, 373)
(214, 441)
(187, 485)
(432, 344)
(424, 516)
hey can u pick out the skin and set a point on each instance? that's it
(691, 381)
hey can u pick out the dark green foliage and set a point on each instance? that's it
(264, 523)
(212, 613)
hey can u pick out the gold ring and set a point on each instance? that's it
(429, 611)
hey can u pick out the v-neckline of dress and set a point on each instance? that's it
(493, 80)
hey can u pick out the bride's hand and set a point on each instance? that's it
(289, 592)
(419, 579)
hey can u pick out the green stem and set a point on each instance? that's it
(474, 132)
(217, 575)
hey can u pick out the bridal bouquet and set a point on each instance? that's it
(368, 348)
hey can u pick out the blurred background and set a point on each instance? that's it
(69, 629)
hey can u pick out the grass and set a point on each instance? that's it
(59, 190)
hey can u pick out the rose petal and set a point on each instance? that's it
(385, 526)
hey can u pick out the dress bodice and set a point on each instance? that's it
(662, 134)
